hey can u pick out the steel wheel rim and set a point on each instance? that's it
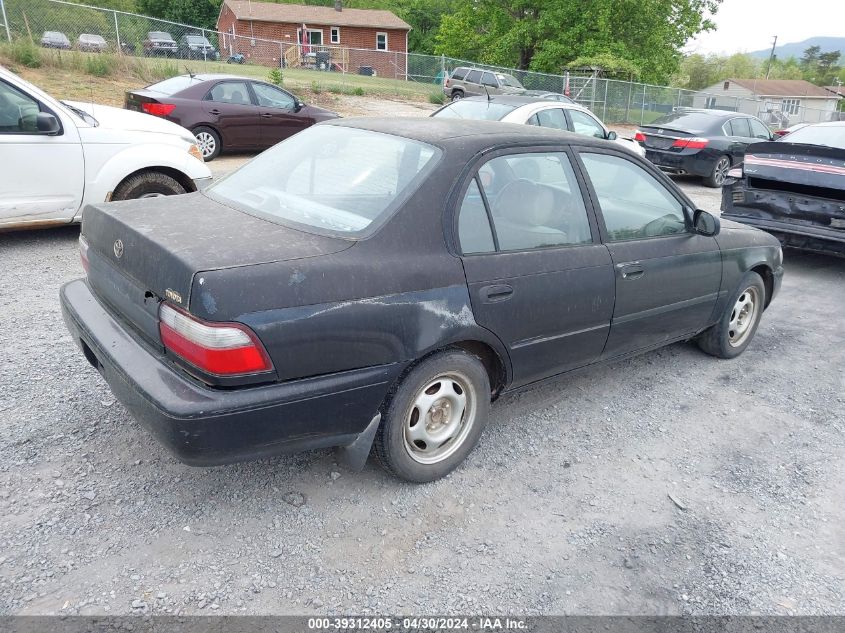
(743, 315)
(155, 194)
(457, 95)
(440, 418)
(722, 167)
(206, 143)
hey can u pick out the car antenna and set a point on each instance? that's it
(487, 92)
(191, 74)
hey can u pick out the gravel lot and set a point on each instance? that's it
(565, 506)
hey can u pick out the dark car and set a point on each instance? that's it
(196, 46)
(701, 142)
(160, 43)
(794, 188)
(54, 39)
(226, 112)
(376, 283)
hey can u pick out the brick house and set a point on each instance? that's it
(364, 41)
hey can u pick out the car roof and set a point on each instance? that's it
(520, 101)
(467, 134)
(722, 114)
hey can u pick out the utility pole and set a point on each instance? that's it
(771, 57)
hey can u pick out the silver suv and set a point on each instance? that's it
(472, 82)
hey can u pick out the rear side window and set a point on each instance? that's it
(534, 201)
(739, 127)
(459, 74)
(633, 203)
(234, 92)
(758, 130)
(473, 76)
(553, 118)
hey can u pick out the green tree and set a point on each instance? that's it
(549, 35)
(201, 13)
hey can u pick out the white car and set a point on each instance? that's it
(56, 157)
(558, 115)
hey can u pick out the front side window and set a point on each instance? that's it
(583, 123)
(534, 202)
(329, 179)
(272, 97)
(381, 41)
(234, 92)
(18, 111)
(634, 204)
(553, 118)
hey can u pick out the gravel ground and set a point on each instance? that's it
(670, 483)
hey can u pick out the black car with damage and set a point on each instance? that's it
(794, 188)
(377, 283)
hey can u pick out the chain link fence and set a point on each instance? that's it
(59, 24)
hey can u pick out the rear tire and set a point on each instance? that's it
(208, 141)
(434, 418)
(457, 95)
(719, 173)
(150, 184)
(731, 335)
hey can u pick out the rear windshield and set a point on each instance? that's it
(160, 35)
(174, 84)
(196, 39)
(693, 122)
(829, 135)
(479, 110)
(91, 38)
(329, 179)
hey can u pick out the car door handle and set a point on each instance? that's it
(266, 115)
(631, 270)
(498, 292)
(214, 111)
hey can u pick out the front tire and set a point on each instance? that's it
(720, 172)
(738, 324)
(435, 417)
(149, 184)
(209, 142)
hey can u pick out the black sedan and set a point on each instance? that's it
(227, 113)
(794, 188)
(701, 142)
(376, 283)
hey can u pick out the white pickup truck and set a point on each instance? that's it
(58, 156)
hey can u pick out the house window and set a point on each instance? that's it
(313, 37)
(335, 35)
(790, 106)
(381, 41)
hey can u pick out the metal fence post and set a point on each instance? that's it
(204, 50)
(5, 20)
(642, 111)
(117, 33)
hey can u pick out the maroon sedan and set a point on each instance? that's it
(226, 112)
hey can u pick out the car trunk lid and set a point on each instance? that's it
(662, 138)
(143, 251)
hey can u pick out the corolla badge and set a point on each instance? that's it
(118, 249)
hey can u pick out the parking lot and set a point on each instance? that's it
(670, 483)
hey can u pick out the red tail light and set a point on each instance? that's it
(447, 82)
(691, 143)
(158, 109)
(221, 349)
(83, 253)
(639, 137)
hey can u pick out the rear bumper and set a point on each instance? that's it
(770, 212)
(673, 163)
(204, 426)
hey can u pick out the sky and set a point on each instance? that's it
(750, 25)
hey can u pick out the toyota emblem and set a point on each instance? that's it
(118, 249)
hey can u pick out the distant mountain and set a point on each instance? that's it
(796, 49)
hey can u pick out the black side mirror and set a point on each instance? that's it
(612, 136)
(47, 123)
(705, 223)
(298, 106)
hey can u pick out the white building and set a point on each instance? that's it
(778, 101)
